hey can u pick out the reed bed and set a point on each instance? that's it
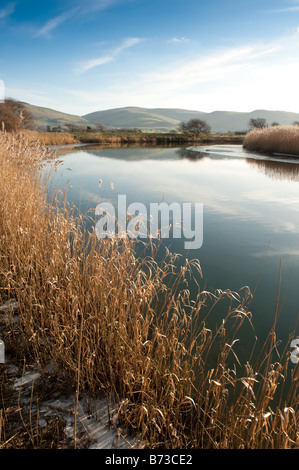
(114, 324)
(275, 139)
(141, 138)
(51, 138)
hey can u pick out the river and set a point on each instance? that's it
(250, 212)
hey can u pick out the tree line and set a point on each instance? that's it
(261, 123)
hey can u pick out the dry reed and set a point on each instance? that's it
(275, 139)
(51, 138)
(125, 326)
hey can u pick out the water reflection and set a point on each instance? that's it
(190, 154)
(251, 209)
(276, 167)
(97, 149)
(276, 170)
(273, 167)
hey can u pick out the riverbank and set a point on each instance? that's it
(98, 322)
(64, 138)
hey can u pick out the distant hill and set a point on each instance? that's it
(44, 117)
(157, 119)
(164, 119)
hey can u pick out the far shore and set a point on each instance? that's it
(67, 138)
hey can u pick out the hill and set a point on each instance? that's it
(156, 119)
(164, 119)
(44, 117)
(145, 119)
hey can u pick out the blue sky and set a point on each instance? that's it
(79, 56)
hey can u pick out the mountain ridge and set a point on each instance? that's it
(156, 119)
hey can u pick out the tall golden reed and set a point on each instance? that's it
(51, 138)
(126, 327)
(274, 139)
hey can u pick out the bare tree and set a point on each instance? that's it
(195, 126)
(14, 115)
(257, 123)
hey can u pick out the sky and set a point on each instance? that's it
(80, 56)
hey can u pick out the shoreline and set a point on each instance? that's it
(66, 138)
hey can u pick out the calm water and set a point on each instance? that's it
(251, 211)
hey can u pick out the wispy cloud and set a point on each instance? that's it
(176, 40)
(95, 5)
(7, 10)
(90, 64)
(77, 9)
(53, 23)
(247, 77)
(295, 7)
(287, 9)
(211, 67)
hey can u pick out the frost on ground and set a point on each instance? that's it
(89, 423)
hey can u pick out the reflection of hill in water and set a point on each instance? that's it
(132, 152)
(97, 149)
(190, 154)
(276, 170)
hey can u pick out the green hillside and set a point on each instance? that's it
(156, 119)
(44, 117)
(131, 117)
(168, 119)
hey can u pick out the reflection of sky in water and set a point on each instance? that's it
(251, 209)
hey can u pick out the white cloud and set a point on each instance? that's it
(95, 5)
(176, 40)
(281, 10)
(242, 78)
(295, 7)
(7, 10)
(78, 8)
(53, 23)
(90, 64)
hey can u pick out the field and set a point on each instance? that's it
(98, 320)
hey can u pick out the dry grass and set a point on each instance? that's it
(51, 138)
(275, 139)
(126, 327)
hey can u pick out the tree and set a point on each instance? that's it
(296, 123)
(195, 126)
(100, 127)
(75, 128)
(257, 123)
(273, 124)
(15, 116)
